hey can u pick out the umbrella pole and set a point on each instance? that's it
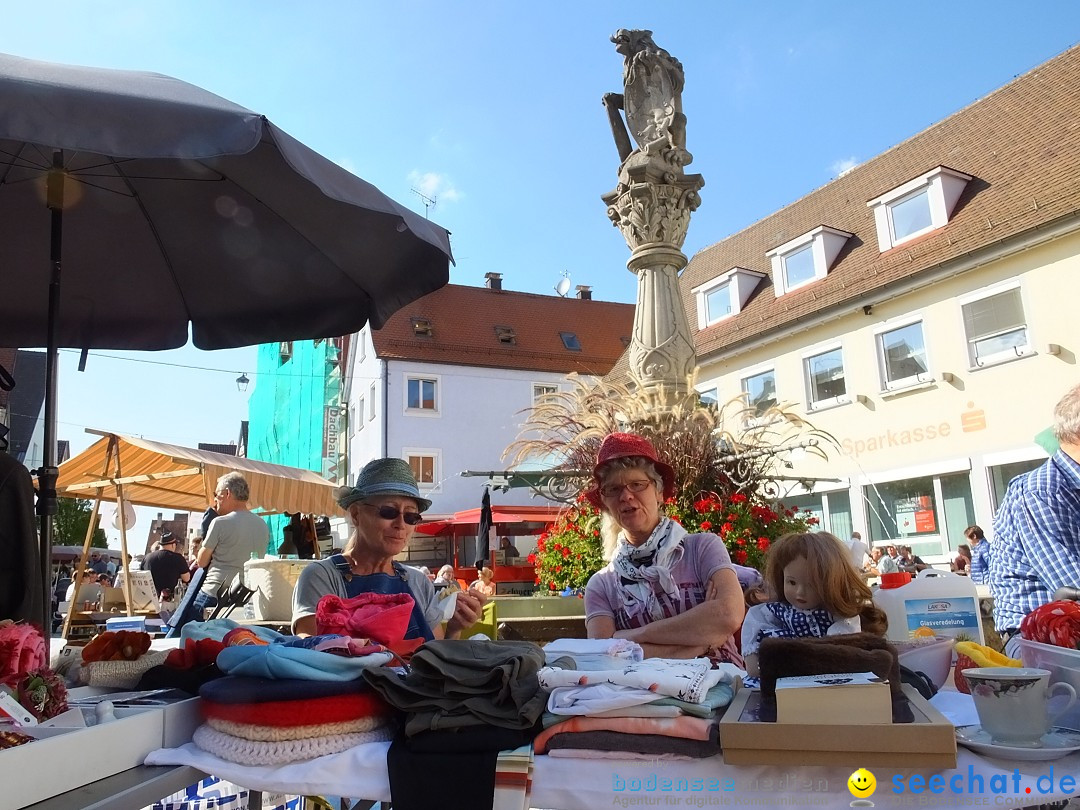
(48, 473)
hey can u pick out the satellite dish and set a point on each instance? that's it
(563, 287)
(128, 516)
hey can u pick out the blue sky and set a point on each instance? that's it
(493, 109)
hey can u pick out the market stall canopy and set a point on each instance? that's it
(180, 478)
(509, 520)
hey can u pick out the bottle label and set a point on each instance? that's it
(948, 616)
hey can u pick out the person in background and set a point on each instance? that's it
(909, 562)
(483, 583)
(207, 518)
(97, 564)
(167, 567)
(858, 550)
(193, 559)
(383, 508)
(446, 578)
(234, 537)
(980, 554)
(962, 561)
(89, 590)
(676, 594)
(882, 563)
(1037, 530)
(508, 548)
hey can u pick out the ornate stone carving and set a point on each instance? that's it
(651, 206)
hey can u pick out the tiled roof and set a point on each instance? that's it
(1022, 145)
(463, 331)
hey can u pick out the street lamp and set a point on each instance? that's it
(242, 382)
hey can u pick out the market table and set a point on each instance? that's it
(586, 784)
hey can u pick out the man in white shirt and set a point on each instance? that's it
(860, 552)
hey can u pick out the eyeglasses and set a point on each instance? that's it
(616, 490)
(387, 512)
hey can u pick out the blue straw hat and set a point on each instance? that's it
(383, 476)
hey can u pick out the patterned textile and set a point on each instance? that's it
(781, 620)
(980, 562)
(1056, 623)
(689, 679)
(1036, 546)
(645, 569)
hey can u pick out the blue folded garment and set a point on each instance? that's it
(280, 661)
(238, 689)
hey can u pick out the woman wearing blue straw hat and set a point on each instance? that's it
(383, 507)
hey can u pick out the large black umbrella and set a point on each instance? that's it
(134, 207)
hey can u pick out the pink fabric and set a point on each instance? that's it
(22, 650)
(687, 727)
(381, 617)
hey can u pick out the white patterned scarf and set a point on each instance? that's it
(645, 570)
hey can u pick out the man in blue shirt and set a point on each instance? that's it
(980, 554)
(1037, 530)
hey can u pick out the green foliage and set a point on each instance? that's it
(71, 522)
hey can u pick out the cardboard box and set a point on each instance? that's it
(929, 742)
(840, 699)
(178, 720)
(137, 623)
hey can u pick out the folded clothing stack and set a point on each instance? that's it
(649, 708)
(262, 721)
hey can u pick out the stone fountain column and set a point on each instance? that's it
(651, 205)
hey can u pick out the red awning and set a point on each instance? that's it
(509, 520)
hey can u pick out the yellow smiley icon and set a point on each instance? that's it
(862, 784)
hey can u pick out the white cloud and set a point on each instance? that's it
(841, 167)
(434, 185)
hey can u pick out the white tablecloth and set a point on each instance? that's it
(582, 784)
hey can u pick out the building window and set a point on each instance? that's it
(506, 335)
(832, 509)
(717, 304)
(423, 468)
(995, 328)
(1003, 474)
(542, 390)
(902, 353)
(570, 341)
(361, 338)
(924, 513)
(825, 380)
(371, 401)
(918, 206)
(708, 397)
(760, 391)
(421, 394)
(805, 258)
(422, 327)
(357, 424)
(910, 216)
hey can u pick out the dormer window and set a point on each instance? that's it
(570, 341)
(806, 258)
(918, 206)
(725, 295)
(422, 327)
(506, 335)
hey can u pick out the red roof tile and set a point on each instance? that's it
(464, 320)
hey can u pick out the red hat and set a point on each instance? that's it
(628, 445)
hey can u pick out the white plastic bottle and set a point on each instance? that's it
(940, 602)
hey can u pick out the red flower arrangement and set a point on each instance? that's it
(572, 551)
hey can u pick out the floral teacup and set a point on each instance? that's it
(1012, 703)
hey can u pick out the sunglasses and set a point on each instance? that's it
(387, 512)
(615, 490)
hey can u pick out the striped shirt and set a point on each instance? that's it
(1036, 540)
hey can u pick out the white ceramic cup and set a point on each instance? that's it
(1012, 703)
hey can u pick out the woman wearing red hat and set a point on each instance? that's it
(675, 594)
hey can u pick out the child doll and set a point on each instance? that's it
(818, 593)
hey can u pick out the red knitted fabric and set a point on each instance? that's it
(299, 712)
(381, 617)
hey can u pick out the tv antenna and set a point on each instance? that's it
(429, 202)
(563, 287)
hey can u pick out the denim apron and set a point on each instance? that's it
(395, 583)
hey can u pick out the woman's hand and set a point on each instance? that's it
(467, 612)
